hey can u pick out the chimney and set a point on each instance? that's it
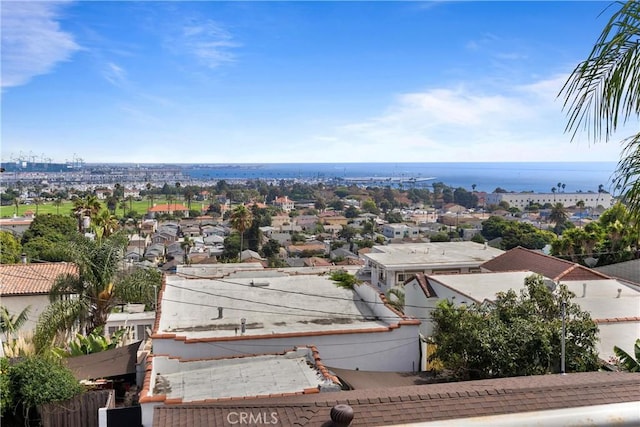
(341, 415)
(220, 312)
(619, 292)
(584, 290)
(23, 258)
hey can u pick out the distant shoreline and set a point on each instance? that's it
(538, 177)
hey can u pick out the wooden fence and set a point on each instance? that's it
(80, 411)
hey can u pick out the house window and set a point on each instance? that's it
(401, 277)
(141, 332)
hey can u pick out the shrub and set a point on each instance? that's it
(37, 380)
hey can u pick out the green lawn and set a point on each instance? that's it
(65, 209)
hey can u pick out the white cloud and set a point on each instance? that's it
(32, 41)
(466, 124)
(208, 41)
(115, 74)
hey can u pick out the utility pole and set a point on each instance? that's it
(562, 342)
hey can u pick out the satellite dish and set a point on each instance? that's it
(550, 284)
(591, 261)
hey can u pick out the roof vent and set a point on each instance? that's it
(259, 284)
(619, 292)
(341, 415)
(584, 290)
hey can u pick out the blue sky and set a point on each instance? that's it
(271, 82)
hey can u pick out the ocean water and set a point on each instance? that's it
(538, 177)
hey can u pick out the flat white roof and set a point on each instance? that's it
(276, 305)
(440, 254)
(263, 375)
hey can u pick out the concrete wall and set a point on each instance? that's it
(387, 350)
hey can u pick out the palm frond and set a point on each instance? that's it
(627, 176)
(10, 324)
(628, 362)
(57, 321)
(603, 91)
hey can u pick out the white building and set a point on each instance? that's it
(171, 381)
(522, 200)
(28, 286)
(613, 305)
(399, 231)
(391, 265)
(255, 312)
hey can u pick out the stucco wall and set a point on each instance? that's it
(385, 350)
(15, 305)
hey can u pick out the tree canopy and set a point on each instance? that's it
(517, 334)
(515, 233)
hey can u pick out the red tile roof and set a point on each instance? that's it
(421, 403)
(28, 279)
(519, 258)
(166, 208)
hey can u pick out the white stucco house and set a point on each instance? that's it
(253, 312)
(612, 304)
(390, 265)
(28, 285)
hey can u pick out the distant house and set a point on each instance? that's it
(170, 209)
(148, 226)
(277, 221)
(102, 194)
(307, 248)
(284, 203)
(28, 285)
(399, 231)
(16, 225)
(330, 218)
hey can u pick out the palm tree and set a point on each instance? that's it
(553, 190)
(11, 323)
(149, 194)
(89, 206)
(105, 224)
(16, 202)
(241, 219)
(186, 246)
(558, 214)
(37, 201)
(93, 288)
(57, 203)
(580, 205)
(602, 93)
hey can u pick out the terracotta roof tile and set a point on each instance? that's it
(551, 267)
(28, 279)
(166, 208)
(397, 405)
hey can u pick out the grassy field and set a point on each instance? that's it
(66, 207)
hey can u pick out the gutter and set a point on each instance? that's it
(618, 414)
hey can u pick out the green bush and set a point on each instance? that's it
(6, 396)
(36, 380)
